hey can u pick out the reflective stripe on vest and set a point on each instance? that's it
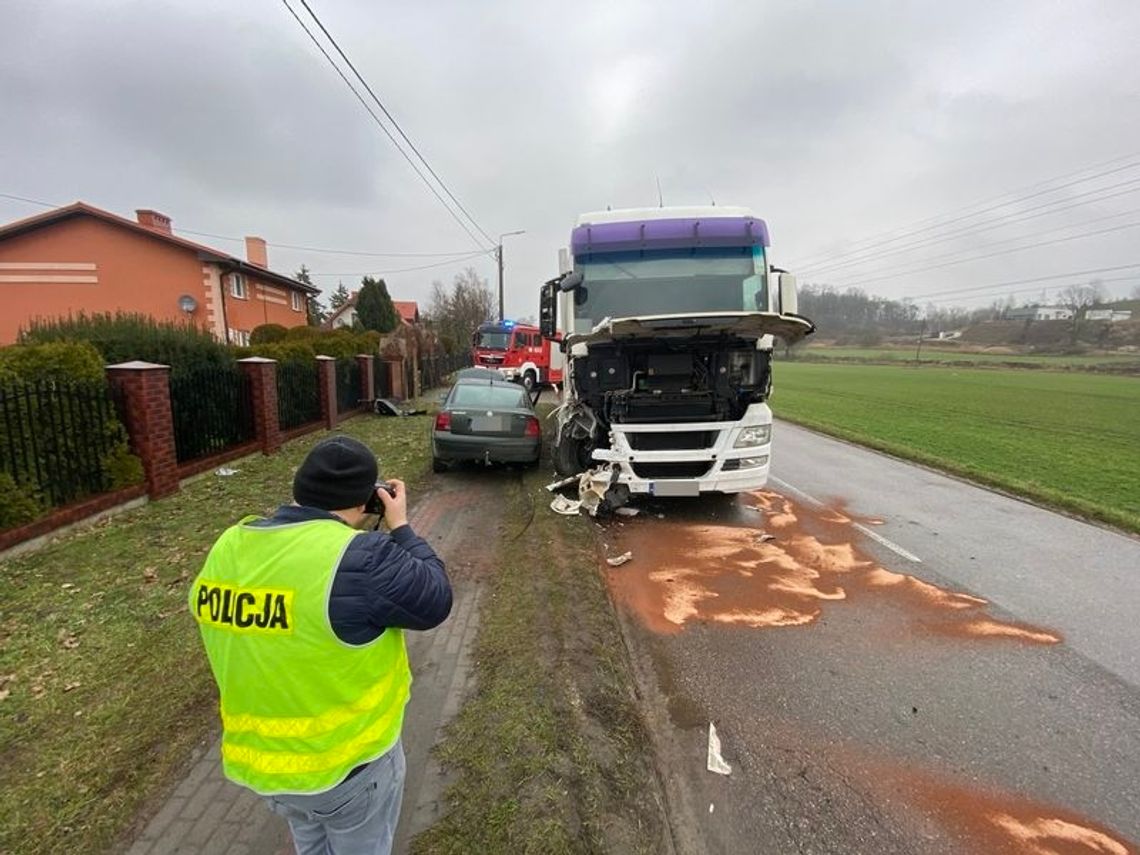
(300, 708)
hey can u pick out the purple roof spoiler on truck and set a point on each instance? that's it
(669, 234)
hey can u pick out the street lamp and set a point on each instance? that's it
(499, 258)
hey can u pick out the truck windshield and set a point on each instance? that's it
(492, 340)
(669, 282)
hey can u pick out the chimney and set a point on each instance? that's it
(255, 252)
(153, 220)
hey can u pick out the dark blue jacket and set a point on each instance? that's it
(382, 580)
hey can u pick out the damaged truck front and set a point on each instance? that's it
(666, 318)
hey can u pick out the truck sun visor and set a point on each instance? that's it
(669, 234)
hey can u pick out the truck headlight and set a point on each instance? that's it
(755, 435)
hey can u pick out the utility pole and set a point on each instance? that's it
(499, 259)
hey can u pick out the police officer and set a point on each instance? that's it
(302, 616)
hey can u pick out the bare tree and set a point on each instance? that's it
(1136, 292)
(1078, 299)
(456, 313)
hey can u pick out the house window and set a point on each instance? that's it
(295, 300)
(239, 337)
(237, 286)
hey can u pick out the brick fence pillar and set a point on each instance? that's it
(262, 374)
(326, 383)
(396, 380)
(145, 389)
(367, 383)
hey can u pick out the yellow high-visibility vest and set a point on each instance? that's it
(300, 708)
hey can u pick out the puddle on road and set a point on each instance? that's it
(685, 571)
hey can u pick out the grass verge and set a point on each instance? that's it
(1071, 441)
(104, 688)
(551, 751)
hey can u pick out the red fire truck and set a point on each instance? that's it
(518, 352)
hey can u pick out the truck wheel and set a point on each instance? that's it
(567, 456)
(529, 381)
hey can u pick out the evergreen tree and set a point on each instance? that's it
(374, 307)
(314, 308)
(339, 297)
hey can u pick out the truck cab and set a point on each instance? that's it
(667, 318)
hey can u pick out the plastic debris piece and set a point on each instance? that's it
(564, 506)
(565, 482)
(626, 511)
(599, 491)
(764, 538)
(225, 471)
(619, 560)
(715, 761)
(710, 807)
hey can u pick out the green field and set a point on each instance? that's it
(1112, 361)
(1068, 440)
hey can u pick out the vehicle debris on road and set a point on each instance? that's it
(715, 760)
(566, 507)
(619, 560)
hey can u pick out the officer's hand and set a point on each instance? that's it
(395, 507)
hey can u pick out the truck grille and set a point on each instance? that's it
(662, 471)
(684, 440)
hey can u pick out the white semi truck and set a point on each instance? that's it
(666, 319)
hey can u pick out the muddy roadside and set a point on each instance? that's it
(549, 753)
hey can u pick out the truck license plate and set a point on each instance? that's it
(674, 488)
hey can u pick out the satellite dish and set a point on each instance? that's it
(187, 303)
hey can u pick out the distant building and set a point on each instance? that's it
(408, 311)
(1039, 313)
(1110, 315)
(949, 335)
(79, 258)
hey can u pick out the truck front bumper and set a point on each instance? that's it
(717, 467)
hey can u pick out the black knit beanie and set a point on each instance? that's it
(338, 473)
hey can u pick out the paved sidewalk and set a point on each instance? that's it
(209, 815)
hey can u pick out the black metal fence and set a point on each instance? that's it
(298, 394)
(347, 385)
(57, 440)
(435, 369)
(212, 410)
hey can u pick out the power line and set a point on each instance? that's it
(1012, 240)
(395, 124)
(1000, 292)
(470, 257)
(325, 250)
(991, 255)
(1067, 275)
(996, 222)
(382, 126)
(939, 221)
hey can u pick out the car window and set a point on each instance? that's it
(492, 396)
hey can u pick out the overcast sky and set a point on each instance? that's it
(836, 122)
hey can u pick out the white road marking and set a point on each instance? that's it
(889, 544)
(871, 533)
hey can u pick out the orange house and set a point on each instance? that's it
(80, 258)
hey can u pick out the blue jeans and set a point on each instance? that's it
(356, 817)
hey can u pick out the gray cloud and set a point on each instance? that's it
(832, 120)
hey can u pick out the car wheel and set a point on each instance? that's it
(438, 465)
(529, 381)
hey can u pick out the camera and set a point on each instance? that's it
(374, 505)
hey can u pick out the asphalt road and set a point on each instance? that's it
(895, 661)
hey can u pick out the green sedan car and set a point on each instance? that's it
(485, 419)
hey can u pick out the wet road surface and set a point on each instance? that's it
(894, 661)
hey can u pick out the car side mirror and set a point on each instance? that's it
(570, 281)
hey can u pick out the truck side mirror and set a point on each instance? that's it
(570, 281)
(547, 309)
(789, 301)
